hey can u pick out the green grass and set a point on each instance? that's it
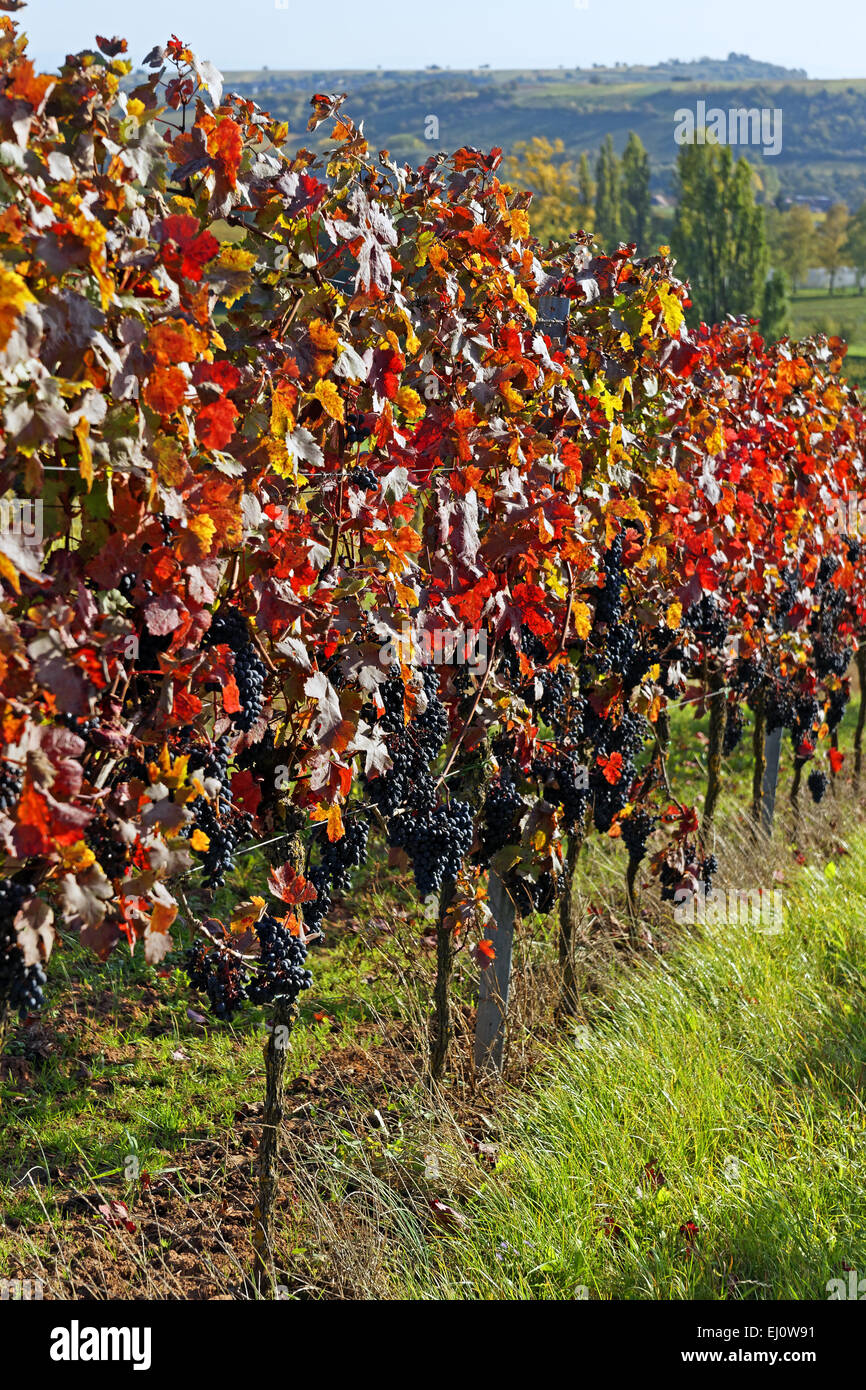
(706, 1140)
(841, 314)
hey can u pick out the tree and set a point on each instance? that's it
(561, 196)
(774, 308)
(719, 233)
(635, 197)
(854, 249)
(791, 235)
(832, 236)
(607, 196)
(586, 193)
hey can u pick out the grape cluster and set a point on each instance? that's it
(534, 895)
(672, 879)
(566, 784)
(623, 654)
(339, 857)
(316, 911)
(502, 805)
(224, 828)
(608, 607)
(780, 706)
(817, 784)
(21, 985)
(854, 549)
(830, 658)
(230, 627)
(363, 478)
(707, 622)
(636, 830)
(785, 599)
(218, 974)
(436, 843)
(10, 786)
(807, 720)
(626, 737)
(104, 839)
(436, 836)
(356, 430)
(837, 706)
(552, 704)
(733, 729)
(282, 973)
(748, 675)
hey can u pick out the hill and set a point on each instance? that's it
(823, 150)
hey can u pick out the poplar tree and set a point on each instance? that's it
(718, 236)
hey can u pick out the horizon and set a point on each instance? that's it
(284, 35)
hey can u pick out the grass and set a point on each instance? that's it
(706, 1140)
(841, 314)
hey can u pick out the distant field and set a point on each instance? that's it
(842, 314)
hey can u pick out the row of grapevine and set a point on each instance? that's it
(336, 507)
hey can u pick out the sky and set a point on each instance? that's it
(828, 40)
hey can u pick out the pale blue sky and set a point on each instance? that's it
(827, 39)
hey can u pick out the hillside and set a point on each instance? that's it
(824, 122)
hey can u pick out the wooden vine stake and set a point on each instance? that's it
(495, 980)
(759, 761)
(441, 1035)
(772, 755)
(276, 1054)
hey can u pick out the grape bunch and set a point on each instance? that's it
(436, 836)
(608, 607)
(220, 975)
(733, 729)
(626, 737)
(104, 839)
(636, 830)
(363, 478)
(565, 783)
(707, 622)
(230, 627)
(780, 706)
(436, 843)
(217, 818)
(502, 806)
(673, 878)
(339, 857)
(10, 786)
(817, 784)
(623, 654)
(552, 704)
(837, 706)
(534, 895)
(785, 599)
(806, 722)
(356, 430)
(21, 985)
(282, 973)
